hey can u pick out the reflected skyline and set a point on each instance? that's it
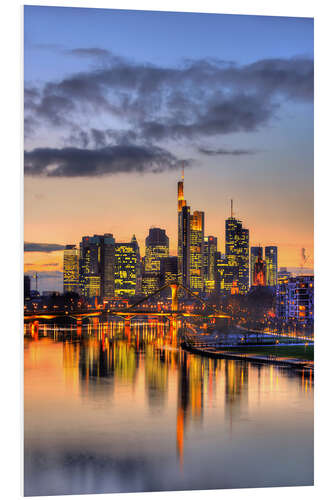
(102, 373)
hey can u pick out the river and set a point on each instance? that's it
(115, 409)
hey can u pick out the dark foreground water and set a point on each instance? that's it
(109, 409)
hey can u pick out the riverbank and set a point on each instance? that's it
(257, 354)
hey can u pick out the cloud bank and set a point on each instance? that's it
(42, 247)
(155, 105)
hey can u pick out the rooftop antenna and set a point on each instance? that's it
(231, 208)
(183, 171)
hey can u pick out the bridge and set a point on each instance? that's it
(134, 309)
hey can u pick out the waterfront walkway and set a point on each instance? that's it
(199, 346)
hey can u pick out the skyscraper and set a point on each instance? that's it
(97, 260)
(271, 258)
(210, 248)
(138, 265)
(197, 223)
(169, 270)
(190, 243)
(258, 267)
(225, 273)
(183, 236)
(107, 266)
(157, 247)
(125, 275)
(71, 269)
(237, 250)
(255, 252)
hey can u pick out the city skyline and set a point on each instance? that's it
(265, 165)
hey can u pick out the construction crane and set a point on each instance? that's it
(304, 257)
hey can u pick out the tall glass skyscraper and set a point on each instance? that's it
(197, 228)
(255, 253)
(71, 269)
(125, 275)
(107, 266)
(271, 258)
(225, 273)
(157, 247)
(258, 267)
(237, 250)
(183, 236)
(97, 261)
(169, 270)
(210, 248)
(190, 243)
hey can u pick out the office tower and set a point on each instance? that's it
(92, 286)
(169, 271)
(126, 265)
(190, 243)
(183, 236)
(271, 258)
(150, 283)
(97, 259)
(210, 248)
(157, 247)
(107, 242)
(138, 265)
(184, 245)
(197, 223)
(71, 269)
(259, 267)
(225, 274)
(255, 252)
(237, 250)
(27, 286)
(89, 263)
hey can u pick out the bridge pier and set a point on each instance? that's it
(128, 327)
(79, 326)
(174, 297)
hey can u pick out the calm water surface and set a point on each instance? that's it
(113, 409)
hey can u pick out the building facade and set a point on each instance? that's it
(237, 251)
(169, 271)
(157, 247)
(97, 258)
(71, 269)
(258, 267)
(295, 300)
(210, 249)
(271, 258)
(225, 275)
(126, 265)
(197, 227)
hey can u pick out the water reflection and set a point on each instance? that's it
(128, 395)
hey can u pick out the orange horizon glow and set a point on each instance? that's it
(126, 205)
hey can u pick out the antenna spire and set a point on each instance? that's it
(183, 171)
(231, 208)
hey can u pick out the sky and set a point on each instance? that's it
(116, 102)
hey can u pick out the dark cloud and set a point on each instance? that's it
(42, 247)
(76, 162)
(226, 152)
(90, 52)
(197, 99)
